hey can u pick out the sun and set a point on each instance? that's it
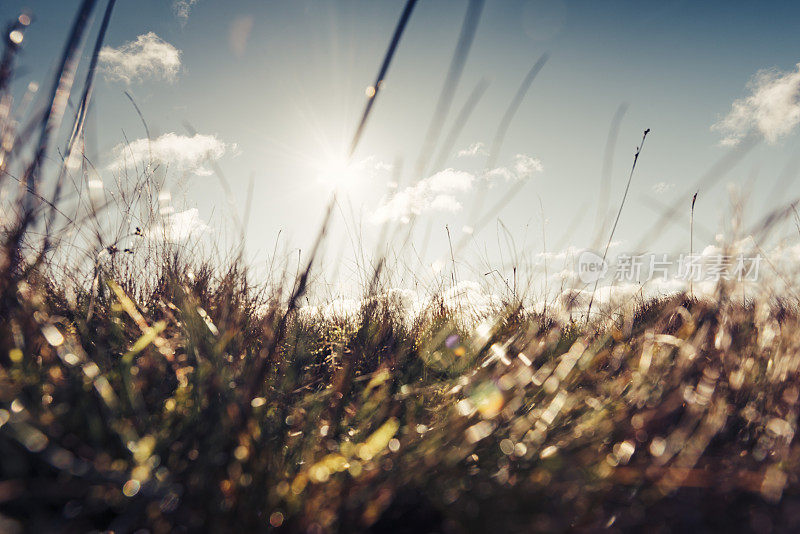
(336, 172)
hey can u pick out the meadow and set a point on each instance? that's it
(156, 390)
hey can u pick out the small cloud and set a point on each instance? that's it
(569, 253)
(772, 109)
(148, 56)
(186, 154)
(475, 149)
(662, 187)
(180, 226)
(182, 8)
(371, 166)
(523, 168)
(437, 192)
(239, 33)
(434, 193)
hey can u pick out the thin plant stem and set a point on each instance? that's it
(619, 213)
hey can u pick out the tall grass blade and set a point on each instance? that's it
(387, 59)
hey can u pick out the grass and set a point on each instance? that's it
(145, 415)
(162, 392)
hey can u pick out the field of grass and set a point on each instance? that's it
(162, 393)
(190, 409)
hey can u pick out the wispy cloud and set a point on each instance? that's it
(369, 167)
(182, 8)
(475, 149)
(431, 194)
(772, 109)
(523, 168)
(180, 152)
(180, 226)
(662, 187)
(148, 57)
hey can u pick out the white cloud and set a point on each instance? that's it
(182, 8)
(431, 194)
(471, 297)
(148, 56)
(437, 192)
(724, 247)
(445, 203)
(502, 173)
(571, 252)
(772, 108)
(180, 226)
(784, 254)
(472, 150)
(370, 167)
(180, 152)
(662, 187)
(339, 308)
(468, 298)
(526, 166)
(523, 168)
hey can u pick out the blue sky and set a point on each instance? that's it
(275, 90)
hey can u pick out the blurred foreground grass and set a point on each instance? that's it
(153, 414)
